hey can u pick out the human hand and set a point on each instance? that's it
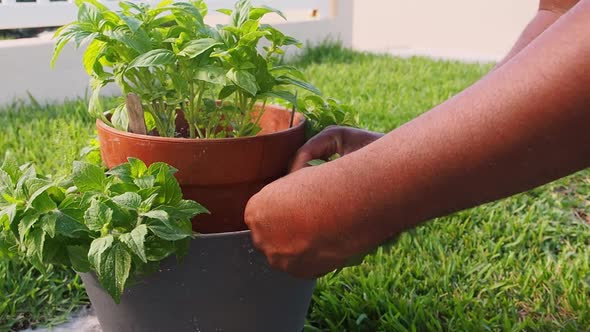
(557, 6)
(304, 235)
(333, 140)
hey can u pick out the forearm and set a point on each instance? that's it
(549, 12)
(542, 20)
(523, 125)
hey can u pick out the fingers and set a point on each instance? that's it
(322, 146)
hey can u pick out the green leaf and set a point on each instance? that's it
(122, 218)
(156, 168)
(135, 241)
(258, 12)
(133, 23)
(88, 13)
(94, 104)
(6, 183)
(137, 167)
(88, 177)
(211, 74)
(82, 37)
(35, 188)
(78, 256)
(288, 71)
(145, 182)
(226, 92)
(244, 80)
(114, 270)
(69, 226)
(299, 83)
(139, 41)
(240, 14)
(10, 166)
(91, 55)
(122, 171)
(170, 192)
(225, 11)
(121, 188)
(283, 95)
(128, 5)
(29, 173)
(157, 214)
(147, 204)
(57, 194)
(97, 216)
(129, 200)
(249, 26)
(97, 249)
(25, 224)
(316, 162)
(54, 252)
(153, 58)
(188, 8)
(253, 37)
(48, 224)
(157, 249)
(171, 230)
(34, 244)
(37, 263)
(120, 118)
(185, 209)
(197, 47)
(9, 212)
(43, 203)
(182, 247)
(148, 192)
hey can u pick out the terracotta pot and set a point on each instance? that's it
(221, 174)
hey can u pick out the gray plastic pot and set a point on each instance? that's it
(223, 284)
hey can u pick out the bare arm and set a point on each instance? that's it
(344, 140)
(549, 11)
(523, 125)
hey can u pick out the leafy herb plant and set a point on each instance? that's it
(118, 224)
(216, 77)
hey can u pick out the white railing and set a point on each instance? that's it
(50, 13)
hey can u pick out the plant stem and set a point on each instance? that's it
(199, 100)
(262, 109)
(190, 112)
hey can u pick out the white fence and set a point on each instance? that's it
(24, 63)
(15, 14)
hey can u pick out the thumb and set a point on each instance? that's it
(322, 146)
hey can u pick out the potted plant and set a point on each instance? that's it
(200, 107)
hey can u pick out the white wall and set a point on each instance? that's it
(24, 66)
(464, 29)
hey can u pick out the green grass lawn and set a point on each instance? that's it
(518, 264)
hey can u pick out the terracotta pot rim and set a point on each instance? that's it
(182, 140)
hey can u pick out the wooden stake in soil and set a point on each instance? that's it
(136, 117)
(293, 112)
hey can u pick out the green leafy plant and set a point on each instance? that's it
(326, 112)
(219, 78)
(118, 224)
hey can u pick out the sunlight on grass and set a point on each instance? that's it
(517, 264)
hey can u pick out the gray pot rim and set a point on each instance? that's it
(213, 236)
